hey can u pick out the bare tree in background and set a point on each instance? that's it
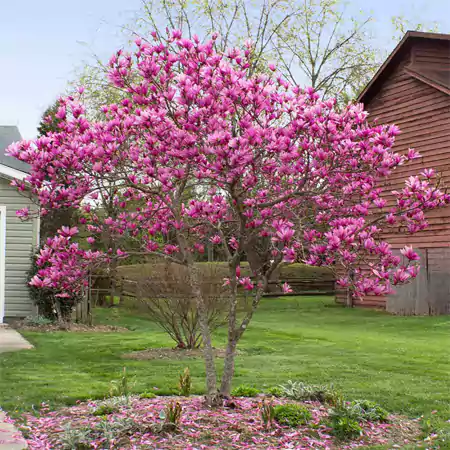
(314, 42)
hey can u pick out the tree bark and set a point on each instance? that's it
(228, 367)
(349, 299)
(212, 396)
(230, 354)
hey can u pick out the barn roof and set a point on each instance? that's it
(9, 166)
(440, 79)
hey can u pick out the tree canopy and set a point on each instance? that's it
(279, 175)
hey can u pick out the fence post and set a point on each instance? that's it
(349, 300)
(83, 309)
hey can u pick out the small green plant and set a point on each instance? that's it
(292, 415)
(185, 384)
(300, 391)
(75, 438)
(267, 412)
(345, 417)
(439, 439)
(110, 405)
(147, 395)
(171, 416)
(275, 391)
(120, 387)
(245, 391)
(344, 428)
(370, 411)
(37, 321)
(104, 410)
(112, 430)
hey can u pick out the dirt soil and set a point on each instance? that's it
(171, 353)
(72, 328)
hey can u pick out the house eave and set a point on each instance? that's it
(421, 77)
(366, 94)
(11, 174)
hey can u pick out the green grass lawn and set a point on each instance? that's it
(401, 362)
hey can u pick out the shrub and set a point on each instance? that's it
(344, 428)
(166, 293)
(245, 391)
(51, 307)
(300, 391)
(185, 383)
(292, 415)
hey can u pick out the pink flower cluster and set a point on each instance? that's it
(201, 150)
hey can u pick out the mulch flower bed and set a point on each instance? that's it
(71, 327)
(171, 353)
(138, 425)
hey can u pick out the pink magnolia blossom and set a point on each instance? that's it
(199, 149)
(246, 283)
(409, 253)
(216, 239)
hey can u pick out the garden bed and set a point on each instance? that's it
(70, 327)
(137, 423)
(171, 353)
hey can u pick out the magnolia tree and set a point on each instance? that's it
(266, 171)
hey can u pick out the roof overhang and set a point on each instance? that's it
(12, 174)
(395, 56)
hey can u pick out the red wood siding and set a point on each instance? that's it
(423, 115)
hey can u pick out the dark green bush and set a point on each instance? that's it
(245, 391)
(345, 428)
(292, 415)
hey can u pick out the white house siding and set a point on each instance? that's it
(21, 238)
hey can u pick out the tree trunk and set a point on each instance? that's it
(113, 282)
(349, 299)
(228, 367)
(212, 397)
(230, 354)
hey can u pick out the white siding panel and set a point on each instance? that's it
(20, 241)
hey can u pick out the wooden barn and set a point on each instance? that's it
(412, 90)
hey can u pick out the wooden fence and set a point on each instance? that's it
(299, 286)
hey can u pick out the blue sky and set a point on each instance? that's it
(40, 44)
